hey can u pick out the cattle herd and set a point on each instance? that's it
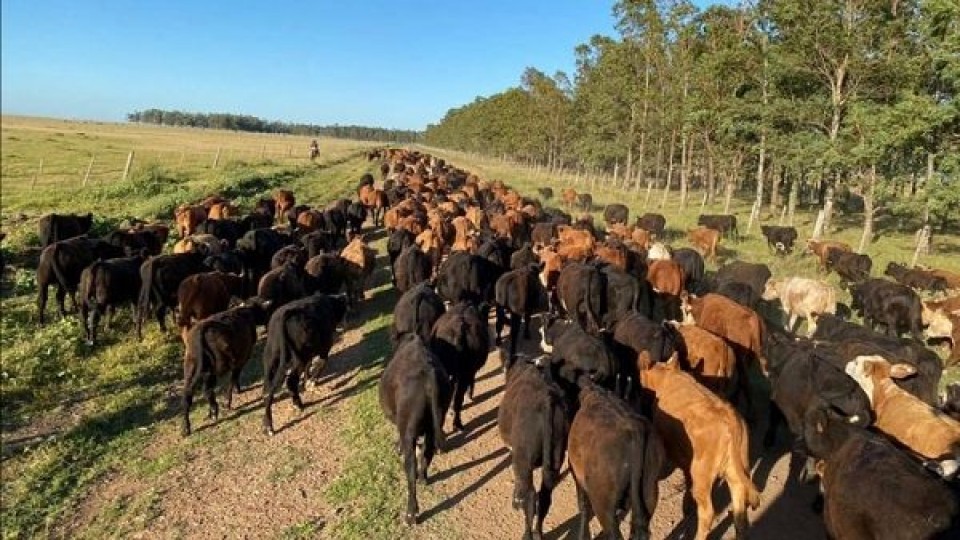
(644, 361)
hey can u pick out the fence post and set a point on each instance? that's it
(923, 245)
(126, 169)
(86, 176)
(37, 175)
(263, 148)
(216, 158)
(182, 155)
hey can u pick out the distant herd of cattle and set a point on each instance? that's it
(644, 356)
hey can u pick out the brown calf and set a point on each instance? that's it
(704, 436)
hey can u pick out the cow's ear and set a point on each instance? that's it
(902, 371)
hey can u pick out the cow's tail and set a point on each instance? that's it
(58, 271)
(593, 323)
(547, 440)
(199, 349)
(436, 406)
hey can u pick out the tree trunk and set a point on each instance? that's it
(656, 172)
(711, 181)
(776, 180)
(628, 173)
(666, 188)
(827, 210)
(868, 209)
(731, 181)
(760, 165)
(792, 202)
(639, 173)
(684, 173)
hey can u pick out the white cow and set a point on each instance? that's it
(802, 297)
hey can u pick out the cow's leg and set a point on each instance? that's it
(792, 322)
(189, 381)
(85, 321)
(209, 390)
(93, 322)
(700, 487)
(586, 512)
(233, 384)
(293, 386)
(523, 493)
(161, 315)
(460, 389)
(526, 326)
(811, 325)
(501, 321)
(41, 303)
(545, 497)
(409, 443)
(774, 419)
(61, 301)
(272, 378)
(426, 457)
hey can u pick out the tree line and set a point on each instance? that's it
(240, 122)
(795, 100)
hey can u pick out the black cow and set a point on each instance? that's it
(575, 354)
(894, 305)
(298, 334)
(634, 334)
(105, 285)
(356, 215)
(228, 262)
(616, 213)
(464, 276)
(872, 489)
(624, 293)
(726, 224)
(461, 341)
(283, 285)
(396, 242)
(335, 217)
(780, 240)
(318, 242)
(915, 278)
(327, 273)
(801, 378)
(585, 201)
(739, 292)
(160, 278)
(229, 230)
(694, 269)
(581, 294)
(753, 274)
(849, 340)
(413, 266)
(520, 294)
(61, 264)
(135, 242)
(257, 248)
(416, 312)
(851, 267)
(534, 420)
(546, 193)
(57, 227)
(415, 395)
(220, 344)
(655, 224)
(523, 257)
(292, 254)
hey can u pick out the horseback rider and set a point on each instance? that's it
(314, 150)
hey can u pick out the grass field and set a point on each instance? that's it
(78, 422)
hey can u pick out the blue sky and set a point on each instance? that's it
(372, 62)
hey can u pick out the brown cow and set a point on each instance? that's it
(739, 325)
(574, 244)
(188, 218)
(569, 197)
(704, 436)
(207, 244)
(309, 221)
(358, 262)
(614, 254)
(822, 248)
(615, 457)
(376, 202)
(666, 276)
(920, 427)
(709, 359)
(222, 210)
(283, 200)
(202, 295)
(705, 240)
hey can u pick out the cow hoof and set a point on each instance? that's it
(89, 343)
(411, 519)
